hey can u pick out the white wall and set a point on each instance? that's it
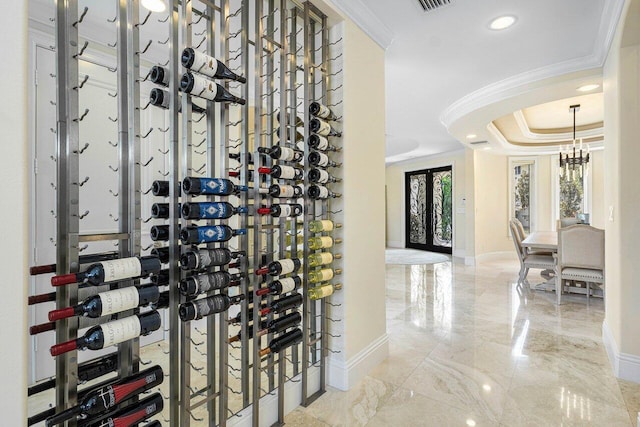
(13, 219)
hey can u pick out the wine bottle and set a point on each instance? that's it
(194, 310)
(322, 242)
(161, 253)
(322, 258)
(161, 210)
(282, 304)
(130, 415)
(317, 158)
(323, 291)
(321, 192)
(161, 278)
(163, 301)
(111, 271)
(237, 156)
(159, 233)
(203, 283)
(211, 186)
(321, 143)
(273, 326)
(83, 259)
(298, 121)
(299, 134)
(282, 210)
(283, 342)
(208, 65)
(322, 111)
(160, 98)
(322, 128)
(324, 275)
(210, 210)
(285, 191)
(110, 302)
(196, 259)
(320, 176)
(102, 399)
(280, 267)
(159, 75)
(282, 286)
(323, 225)
(209, 234)
(161, 188)
(235, 174)
(283, 172)
(86, 372)
(204, 88)
(111, 333)
(278, 152)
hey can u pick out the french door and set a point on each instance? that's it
(428, 209)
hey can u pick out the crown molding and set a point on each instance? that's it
(526, 131)
(364, 18)
(518, 84)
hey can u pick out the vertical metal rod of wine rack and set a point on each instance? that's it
(67, 195)
(223, 162)
(186, 170)
(257, 227)
(174, 215)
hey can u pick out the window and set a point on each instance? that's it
(521, 194)
(572, 192)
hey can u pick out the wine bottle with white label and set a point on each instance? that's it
(323, 225)
(203, 283)
(159, 75)
(197, 259)
(160, 98)
(202, 87)
(317, 192)
(194, 310)
(111, 271)
(322, 242)
(210, 210)
(319, 110)
(208, 65)
(323, 275)
(321, 176)
(209, 234)
(323, 258)
(323, 291)
(282, 210)
(278, 152)
(322, 128)
(111, 333)
(83, 259)
(282, 286)
(110, 302)
(317, 158)
(211, 186)
(320, 143)
(285, 191)
(283, 172)
(280, 267)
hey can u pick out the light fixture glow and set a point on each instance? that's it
(502, 22)
(471, 423)
(486, 387)
(487, 148)
(471, 136)
(154, 5)
(587, 88)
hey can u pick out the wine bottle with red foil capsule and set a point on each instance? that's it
(161, 188)
(319, 110)
(111, 333)
(274, 326)
(197, 259)
(236, 174)
(285, 191)
(194, 310)
(209, 234)
(282, 210)
(203, 283)
(283, 342)
(280, 267)
(159, 233)
(130, 415)
(211, 186)
(160, 98)
(208, 65)
(321, 192)
(282, 286)
(322, 128)
(162, 254)
(282, 304)
(109, 302)
(319, 159)
(321, 176)
(202, 87)
(83, 259)
(111, 271)
(283, 172)
(210, 210)
(279, 152)
(102, 399)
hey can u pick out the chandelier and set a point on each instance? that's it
(574, 160)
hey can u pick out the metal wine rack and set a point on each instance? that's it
(289, 57)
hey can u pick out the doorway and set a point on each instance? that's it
(428, 209)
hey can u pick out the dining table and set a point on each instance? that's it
(543, 241)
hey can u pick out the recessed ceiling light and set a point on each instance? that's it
(154, 5)
(471, 136)
(486, 148)
(502, 22)
(587, 88)
(471, 422)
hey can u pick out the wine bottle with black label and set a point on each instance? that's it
(111, 271)
(203, 283)
(202, 87)
(209, 234)
(210, 210)
(211, 186)
(197, 259)
(130, 415)
(194, 310)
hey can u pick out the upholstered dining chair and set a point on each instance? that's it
(528, 260)
(580, 257)
(567, 222)
(523, 235)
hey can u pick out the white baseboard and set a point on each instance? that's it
(395, 244)
(496, 256)
(625, 366)
(459, 253)
(344, 375)
(469, 260)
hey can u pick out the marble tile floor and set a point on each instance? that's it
(470, 348)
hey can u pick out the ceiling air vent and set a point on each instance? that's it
(429, 5)
(479, 142)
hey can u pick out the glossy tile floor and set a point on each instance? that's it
(470, 348)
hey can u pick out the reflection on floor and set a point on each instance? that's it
(470, 348)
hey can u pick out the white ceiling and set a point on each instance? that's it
(440, 57)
